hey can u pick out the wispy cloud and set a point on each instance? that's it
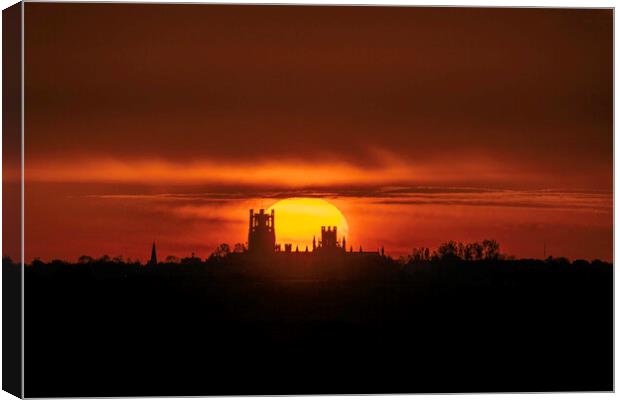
(598, 201)
(382, 168)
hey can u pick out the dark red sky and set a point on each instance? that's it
(136, 99)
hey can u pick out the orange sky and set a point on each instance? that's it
(69, 219)
(168, 122)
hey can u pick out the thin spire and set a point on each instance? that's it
(153, 260)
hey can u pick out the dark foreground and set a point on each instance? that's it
(300, 326)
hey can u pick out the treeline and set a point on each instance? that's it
(220, 253)
(450, 251)
(488, 249)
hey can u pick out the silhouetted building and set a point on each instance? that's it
(329, 237)
(262, 239)
(262, 233)
(329, 240)
(153, 260)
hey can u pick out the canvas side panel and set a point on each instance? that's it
(12, 199)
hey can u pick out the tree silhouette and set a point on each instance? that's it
(453, 250)
(221, 251)
(490, 249)
(85, 259)
(420, 254)
(448, 250)
(473, 251)
(239, 248)
(172, 259)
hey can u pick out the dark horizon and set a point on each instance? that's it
(443, 326)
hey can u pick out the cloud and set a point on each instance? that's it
(518, 106)
(384, 168)
(199, 204)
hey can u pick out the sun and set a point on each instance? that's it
(299, 219)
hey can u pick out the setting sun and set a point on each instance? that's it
(298, 220)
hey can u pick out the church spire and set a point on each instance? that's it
(153, 256)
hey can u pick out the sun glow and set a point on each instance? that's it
(298, 220)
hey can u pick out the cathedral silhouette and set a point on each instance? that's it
(262, 238)
(262, 241)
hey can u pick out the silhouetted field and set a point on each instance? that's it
(300, 324)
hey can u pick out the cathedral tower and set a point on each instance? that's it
(262, 232)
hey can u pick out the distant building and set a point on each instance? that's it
(153, 260)
(329, 240)
(262, 233)
(262, 239)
